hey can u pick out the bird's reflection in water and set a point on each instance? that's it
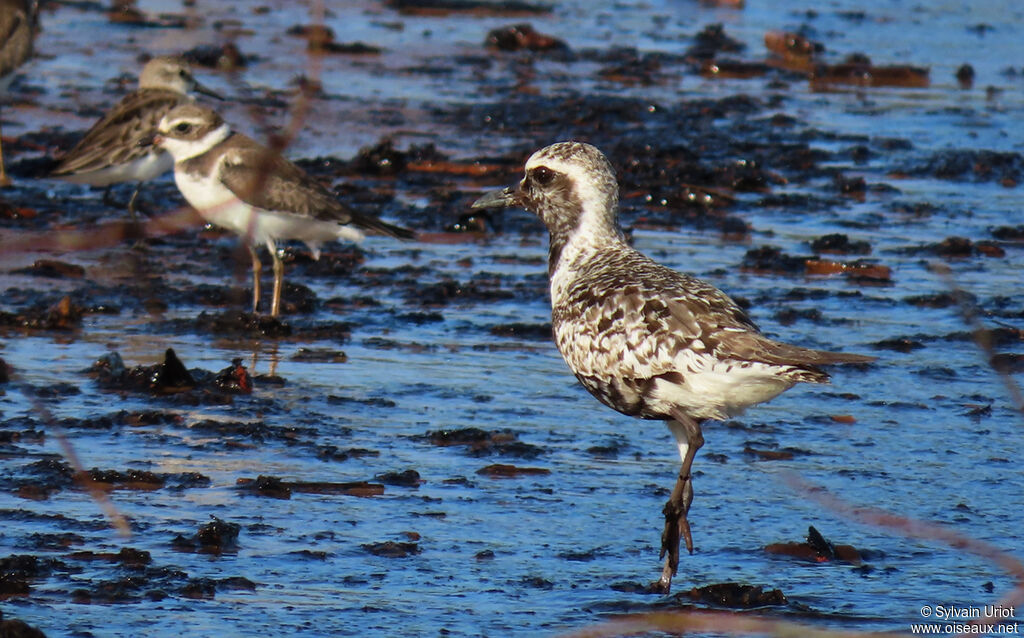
(270, 351)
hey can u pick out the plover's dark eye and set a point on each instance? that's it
(543, 175)
(183, 127)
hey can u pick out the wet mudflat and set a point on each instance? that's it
(405, 451)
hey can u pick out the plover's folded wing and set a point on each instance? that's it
(756, 347)
(728, 334)
(264, 179)
(649, 308)
(122, 135)
(654, 321)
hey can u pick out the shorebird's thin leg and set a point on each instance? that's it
(131, 203)
(689, 439)
(134, 227)
(4, 180)
(108, 198)
(257, 268)
(275, 308)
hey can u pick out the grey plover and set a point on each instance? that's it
(238, 184)
(18, 28)
(114, 149)
(646, 340)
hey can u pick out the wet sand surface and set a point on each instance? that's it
(405, 451)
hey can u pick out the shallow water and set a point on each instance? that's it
(536, 554)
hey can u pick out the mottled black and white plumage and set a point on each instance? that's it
(644, 339)
(236, 183)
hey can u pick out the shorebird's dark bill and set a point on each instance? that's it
(497, 199)
(205, 91)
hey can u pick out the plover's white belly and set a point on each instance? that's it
(145, 168)
(218, 205)
(721, 389)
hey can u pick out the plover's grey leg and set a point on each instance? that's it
(689, 439)
(108, 198)
(131, 203)
(275, 307)
(134, 227)
(257, 268)
(4, 180)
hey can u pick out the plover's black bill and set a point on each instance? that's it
(199, 88)
(503, 198)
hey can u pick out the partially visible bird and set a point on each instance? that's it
(17, 33)
(236, 183)
(646, 340)
(115, 149)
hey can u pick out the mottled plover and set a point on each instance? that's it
(238, 184)
(646, 340)
(18, 30)
(114, 150)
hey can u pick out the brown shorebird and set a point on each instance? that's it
(239, 184)
(646, 340)
(115, 149)
(17, 31)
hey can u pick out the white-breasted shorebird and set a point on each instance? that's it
(236, 183)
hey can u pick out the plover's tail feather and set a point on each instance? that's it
(788, 353)
(804, 362)
(372, 224)
(801, 363)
